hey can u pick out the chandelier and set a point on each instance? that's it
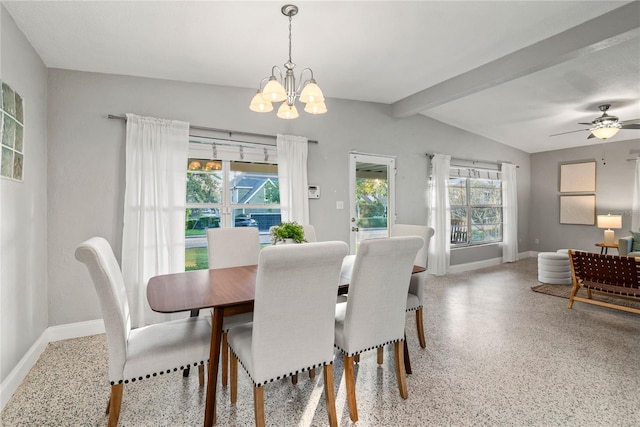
(283, 88)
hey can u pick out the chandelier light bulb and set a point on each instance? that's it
(274, 91)
(287, 111)
(259, 104)
(311, 93)
(315, 108)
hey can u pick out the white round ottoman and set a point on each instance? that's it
(554, 268)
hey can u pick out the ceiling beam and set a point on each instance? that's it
(606, 30)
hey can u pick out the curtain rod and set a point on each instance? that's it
(230, 132)
(488, 162)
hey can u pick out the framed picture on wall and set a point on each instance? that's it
(578, 209)
(578, 177)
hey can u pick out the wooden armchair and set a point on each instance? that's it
(610, 275)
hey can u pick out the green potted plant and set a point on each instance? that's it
(287, 232)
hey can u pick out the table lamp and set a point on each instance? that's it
(609, 221)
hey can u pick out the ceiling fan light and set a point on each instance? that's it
(259, 104)
(311, 93)
(287, 112)
(606, 132)
(274, 91)
(315, 108)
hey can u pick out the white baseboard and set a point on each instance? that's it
(483, 264)
(51, 334)
(75, 330)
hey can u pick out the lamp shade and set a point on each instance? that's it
(260, 105)
(609, 221)
(311, 93)
(287, 111)
(274, 91)
(605, 132)
(315, 108)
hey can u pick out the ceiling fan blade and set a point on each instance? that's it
(591, 136)
(586, 124)
(631, 126)
(571, 131)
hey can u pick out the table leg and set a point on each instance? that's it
(214, 360)
(407, 361)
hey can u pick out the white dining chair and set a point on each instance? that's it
(293, 319)
(415, 296)
(232, 247)
(374, 313)
(149, 351)
(309, 237)
(309, 233)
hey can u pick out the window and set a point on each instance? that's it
(476, 208)
(228, 193)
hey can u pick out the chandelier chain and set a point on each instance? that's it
(290, 61)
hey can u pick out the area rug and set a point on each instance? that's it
(564, 291)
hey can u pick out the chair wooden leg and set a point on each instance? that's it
(115, 401)
(312, 373)
(407, 360)
(225, 359)
(420, 327)
(350, 380)
(400, 372)
(201, 375)
(380, 355)
(185, 371)
(234, 379)
(329, 396)
(574, 291)
(258, 405)
(294, 379)
(356, 358)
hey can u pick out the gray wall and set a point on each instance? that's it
(23, 206)
(86, 158)
(614, 190)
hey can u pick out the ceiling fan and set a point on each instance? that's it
(605, 126)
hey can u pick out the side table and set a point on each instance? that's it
(604, 247)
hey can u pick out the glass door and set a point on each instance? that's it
(372, 195)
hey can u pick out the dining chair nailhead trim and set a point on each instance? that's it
(156, 373)
(278, 378)
(367, 349)
(413, 309)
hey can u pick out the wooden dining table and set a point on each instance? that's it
(227, 291)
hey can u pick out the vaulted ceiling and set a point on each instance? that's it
(512, 71)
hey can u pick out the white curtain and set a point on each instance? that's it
(439, 215)
(292, 177)
(154, 207)
(635, 209)
(509, 213)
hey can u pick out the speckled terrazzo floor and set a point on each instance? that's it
(497, 354)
